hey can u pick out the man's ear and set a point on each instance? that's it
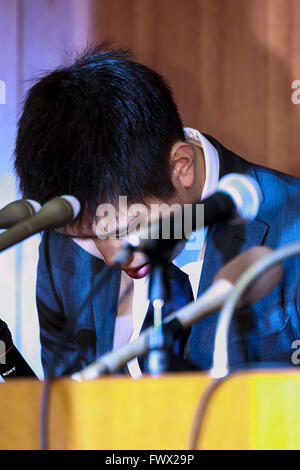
(182, 164)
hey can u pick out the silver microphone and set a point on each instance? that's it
(54, 214)
(17, 211)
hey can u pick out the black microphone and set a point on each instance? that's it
(236, 201)
(17, 211)
(12, 363)
(54, 214)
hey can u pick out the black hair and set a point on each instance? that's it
(96, 129)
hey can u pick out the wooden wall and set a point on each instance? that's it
(231, 64)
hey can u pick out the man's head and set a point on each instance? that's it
(102, 127)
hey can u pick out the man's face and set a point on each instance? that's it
(112, 224)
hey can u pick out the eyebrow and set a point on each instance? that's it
(83, 236)
(78, 236)
(120, 232)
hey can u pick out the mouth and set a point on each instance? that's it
(139, 272)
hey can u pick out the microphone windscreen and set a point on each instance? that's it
(74, 203)
(264, 284)
(233, 270)
(55, 213)
(246, 194)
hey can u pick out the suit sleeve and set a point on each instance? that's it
(59, 352)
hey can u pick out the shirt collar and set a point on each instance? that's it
(194, 246)
(211, 159)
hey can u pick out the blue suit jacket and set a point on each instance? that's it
(77, 293)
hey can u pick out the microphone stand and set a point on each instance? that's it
(156, 361)
(160, 357)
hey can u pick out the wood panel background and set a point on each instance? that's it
(231, 64)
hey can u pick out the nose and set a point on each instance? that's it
(110, 259)
(109, 250)
(129, 262)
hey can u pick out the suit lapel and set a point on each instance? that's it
(224, 242)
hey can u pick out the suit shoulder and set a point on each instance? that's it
(58, 254)
(276, 177)
(231, 162)
(57, 244)
(280, 207)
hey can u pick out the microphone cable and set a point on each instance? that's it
(199, 414)
(220, 373)
(220, 366)
(66, 335)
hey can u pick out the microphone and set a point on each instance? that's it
(209, 302)
(260, 269)
(16, 211)
(236, 201)
(12, 363)
(54, 214)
